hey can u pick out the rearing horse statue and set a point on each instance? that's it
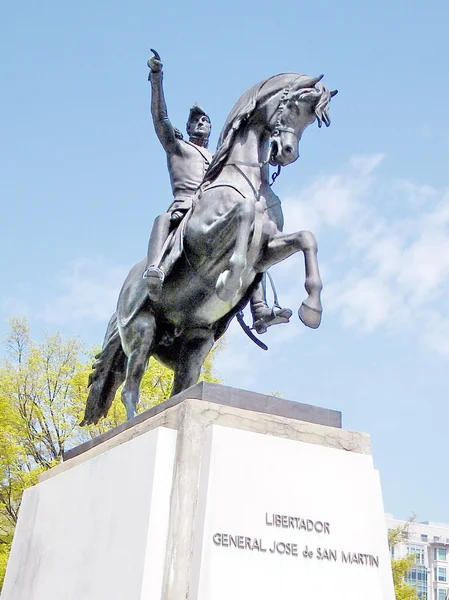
(218, 255)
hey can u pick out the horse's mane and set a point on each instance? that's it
(246, 106)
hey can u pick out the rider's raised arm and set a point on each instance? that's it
(164, 129)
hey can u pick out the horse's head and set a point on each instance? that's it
(302, 101)
(284, 105)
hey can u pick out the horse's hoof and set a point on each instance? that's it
(310, 316)
(224, 287)
(130, 414)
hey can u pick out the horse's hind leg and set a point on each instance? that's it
(196, 345)
(139, 337)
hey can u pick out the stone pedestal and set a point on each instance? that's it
(217, 493)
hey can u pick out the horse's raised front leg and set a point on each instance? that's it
(138, 337)
(230, 281)
(196, 345)
(284, 245)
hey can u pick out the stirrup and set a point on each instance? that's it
(277, 315)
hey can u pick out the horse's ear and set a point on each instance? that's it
(308, 82)
(334, 93)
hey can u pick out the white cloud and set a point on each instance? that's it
(87, 290)
(333, 201)
(362, 301)
(390, 266)
(12, 305)
(436, 335)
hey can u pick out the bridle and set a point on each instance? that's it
(274, 132)
(277, 128)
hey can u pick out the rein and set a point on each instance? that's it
(274, 132)
(247, 179)
(242, 163)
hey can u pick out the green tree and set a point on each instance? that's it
(43, 390)
(401, 566)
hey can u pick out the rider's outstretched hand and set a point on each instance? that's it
(155, 62)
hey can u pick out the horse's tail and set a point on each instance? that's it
(108, 374)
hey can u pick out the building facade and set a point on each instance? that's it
(429, 542)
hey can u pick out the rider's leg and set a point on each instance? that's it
(263, 315)
(159, 234)
(153, 274)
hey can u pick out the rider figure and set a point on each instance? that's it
(187, 164)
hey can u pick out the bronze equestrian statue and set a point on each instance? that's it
(187, 163)
(214, 260)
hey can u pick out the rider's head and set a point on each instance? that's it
(198, 125)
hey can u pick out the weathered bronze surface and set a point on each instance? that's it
(209, 252)
(187, 164)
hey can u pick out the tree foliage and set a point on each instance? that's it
(43, 390)
(401, 566)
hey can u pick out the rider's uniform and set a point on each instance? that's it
(187, 162)
(187, 168)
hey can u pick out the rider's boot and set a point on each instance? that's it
(263, 315)
(153, 275)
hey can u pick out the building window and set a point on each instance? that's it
(417, 577)
(439, 554)
(436, 538)
(421, 591)
(440, 593)
(440, 574)
(424, 537)
(418, 551)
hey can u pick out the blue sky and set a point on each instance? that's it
(83, 176)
